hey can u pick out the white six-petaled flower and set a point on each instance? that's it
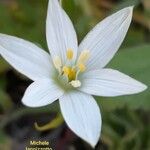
(72, 74)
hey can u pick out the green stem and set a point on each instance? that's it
(25, 111)
(56, 122)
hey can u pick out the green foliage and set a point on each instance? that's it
(5, 142)
(2, 137)
(25, 19)
(5, 101)
(3, 66)
(125, 129)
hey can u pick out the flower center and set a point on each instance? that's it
(70, 71)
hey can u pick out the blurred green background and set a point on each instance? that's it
(126, 119)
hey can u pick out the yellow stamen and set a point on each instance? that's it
(66, 70)
(69, 72)
(75, 83)
(72, 74)
(69, 54)
(81, 67)
(57, 62)
(84, 56)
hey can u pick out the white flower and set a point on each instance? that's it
(72, 74)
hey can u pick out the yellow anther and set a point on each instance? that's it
(75, 83)
(69, 72)
(66, 70)
(69, 54)
(84, 56)
(81, 67)
(57, 62)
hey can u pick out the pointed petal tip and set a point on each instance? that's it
(53, 2)
(129, 9)
(140, 88)
(93, 141)
(143, 87)
(93, 144)
(89, 128)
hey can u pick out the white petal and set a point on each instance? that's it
(105, 39)
(109, 82)
(59, 31)
(25, 57)
(41, 93)
(82, 115)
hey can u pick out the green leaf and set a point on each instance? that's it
(55, 123)
(136, 63)
(24, 19)
(5, 101)
(5, 142)
(4, 66)
(121, 130)
(2, 137)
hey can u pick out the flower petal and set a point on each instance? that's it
(25, 57)
(41, 93)
(109, 82)
(82, 115)
(105, 39)
(60, 31)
